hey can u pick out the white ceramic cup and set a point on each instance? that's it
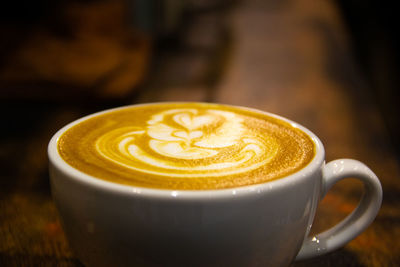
(109, 224)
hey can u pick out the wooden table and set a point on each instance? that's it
(292, 58)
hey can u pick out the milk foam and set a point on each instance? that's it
(188, 143)
(186, 146)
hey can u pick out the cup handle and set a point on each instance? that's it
(358, 220)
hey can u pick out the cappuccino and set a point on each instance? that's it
(186, 146)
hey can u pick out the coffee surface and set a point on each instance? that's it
(186, 146)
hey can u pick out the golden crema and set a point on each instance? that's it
(186, 146)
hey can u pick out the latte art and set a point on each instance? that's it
(187, 146)
(188, 143)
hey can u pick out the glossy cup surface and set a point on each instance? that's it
(110, 224)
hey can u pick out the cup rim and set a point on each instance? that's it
(56, 161)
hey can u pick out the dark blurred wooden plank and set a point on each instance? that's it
(187, 67)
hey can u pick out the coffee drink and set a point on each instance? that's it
(174, 157)
(186, 146)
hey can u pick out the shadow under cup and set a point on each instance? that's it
(110, 224)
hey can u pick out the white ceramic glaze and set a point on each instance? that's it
(109, 224)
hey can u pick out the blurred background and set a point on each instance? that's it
(332, 66)
(86, 52)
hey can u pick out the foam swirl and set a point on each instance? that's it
(188, 142)
(185, 146)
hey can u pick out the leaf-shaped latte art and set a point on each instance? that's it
(186, 146)
(191, 122)
(188, 143)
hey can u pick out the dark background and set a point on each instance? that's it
(375, 38)
(371, 25)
